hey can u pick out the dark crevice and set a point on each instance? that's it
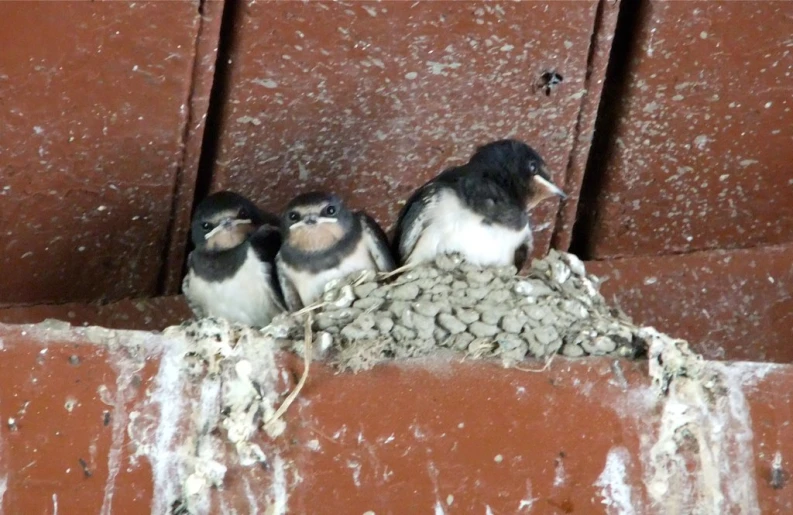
(610, 110)
(217, 100)
(162, 286)
(714, 249)
(596, 29)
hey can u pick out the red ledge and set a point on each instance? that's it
(432, 436)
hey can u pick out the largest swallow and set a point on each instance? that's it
(479, 210)
(231, 272)
(323, 241)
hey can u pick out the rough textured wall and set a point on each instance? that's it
(704, 140)
(371, 99)
(94, 109)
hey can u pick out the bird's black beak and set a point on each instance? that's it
(311, 219)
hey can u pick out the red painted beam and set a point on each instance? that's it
(734, 305)
(440, 435)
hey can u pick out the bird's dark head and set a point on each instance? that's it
(524, 165)
(224, 220)
(313, 222)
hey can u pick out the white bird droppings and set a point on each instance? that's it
(266, 83)
(614, 489)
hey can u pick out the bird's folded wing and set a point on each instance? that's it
(194, 307)
(291, 296)
(413, 220)
(376, 243)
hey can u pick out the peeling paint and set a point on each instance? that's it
(355, 467)
(267, 83)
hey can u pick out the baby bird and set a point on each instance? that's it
(323, 241)
(231, 272)
(479, 210)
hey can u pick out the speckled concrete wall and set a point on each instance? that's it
(703, 145)
(103, 137)
(370, 99)
(101, 110)
(732, 305)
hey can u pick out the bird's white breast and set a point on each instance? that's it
(246, 297)
(310, 286)
(453, 227)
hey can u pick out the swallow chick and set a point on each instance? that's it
(323, 241)
(231, 272)
(479, 210)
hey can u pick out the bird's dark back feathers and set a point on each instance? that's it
(495, 176)
(312, 198)
(227, 201)
(266, 242)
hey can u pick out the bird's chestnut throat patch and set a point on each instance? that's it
(226, 238)
(317, 237)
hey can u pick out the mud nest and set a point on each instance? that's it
(480, 312)
(447, 306)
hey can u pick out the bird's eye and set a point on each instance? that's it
(330, 210)
(243, 214)
(206, 226)
(294, 216)
(532, 167)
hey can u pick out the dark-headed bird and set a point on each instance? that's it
(479, 210)
(231, 272)
(323, 241)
